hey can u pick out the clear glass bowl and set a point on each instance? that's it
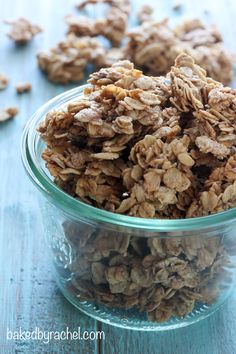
(117, 268)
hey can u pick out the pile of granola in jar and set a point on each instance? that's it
(147, 146)
(150, 147)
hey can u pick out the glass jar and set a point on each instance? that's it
(137, 273)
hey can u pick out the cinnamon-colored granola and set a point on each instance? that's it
(22, 30)
(150, 147)
(8, 113)
(153, 47)
(159, 130)
(112, 26)
(145, 13)
(68, 61)
(23, 87)
(3, 81)
(163, 277)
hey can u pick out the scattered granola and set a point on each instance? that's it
(145, 13)
(110, 57)
(22, 30)
(150, 147)
(153, 47)
(68, 61)
(112, 26)
(3, 81)
(8, 113)
(23, 87)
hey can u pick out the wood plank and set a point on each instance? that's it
(214, 335)
(29, 297)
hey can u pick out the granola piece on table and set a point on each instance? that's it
(23, 87)
(22, 30)
(67, 62)
(3, 81)
(112, 26)
(8, 113)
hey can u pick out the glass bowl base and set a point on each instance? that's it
(133, 319)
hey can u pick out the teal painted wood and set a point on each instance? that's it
(29, 297)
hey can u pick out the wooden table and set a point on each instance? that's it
(29, 297)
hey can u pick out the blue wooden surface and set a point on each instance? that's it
(29, 297)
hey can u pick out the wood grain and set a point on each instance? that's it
(29, 297)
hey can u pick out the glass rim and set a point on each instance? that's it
(77, 208)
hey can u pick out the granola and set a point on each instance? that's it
(22, 30)
(159, 131)
(145, 13)
(3, 81)
(68, 61)
(112, 26)
(163, 277)
(8, 113)
(111, 56)
(23, 87)
(150, 147)
(153, 47)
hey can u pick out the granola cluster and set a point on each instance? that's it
(153, 47)
(154, 147)
(145, 13)
(112, 26)
(8, 113)
(68, 61)
(150, 147)
(162, 277)
(23, 87)
(22, 30)
(3, 81)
